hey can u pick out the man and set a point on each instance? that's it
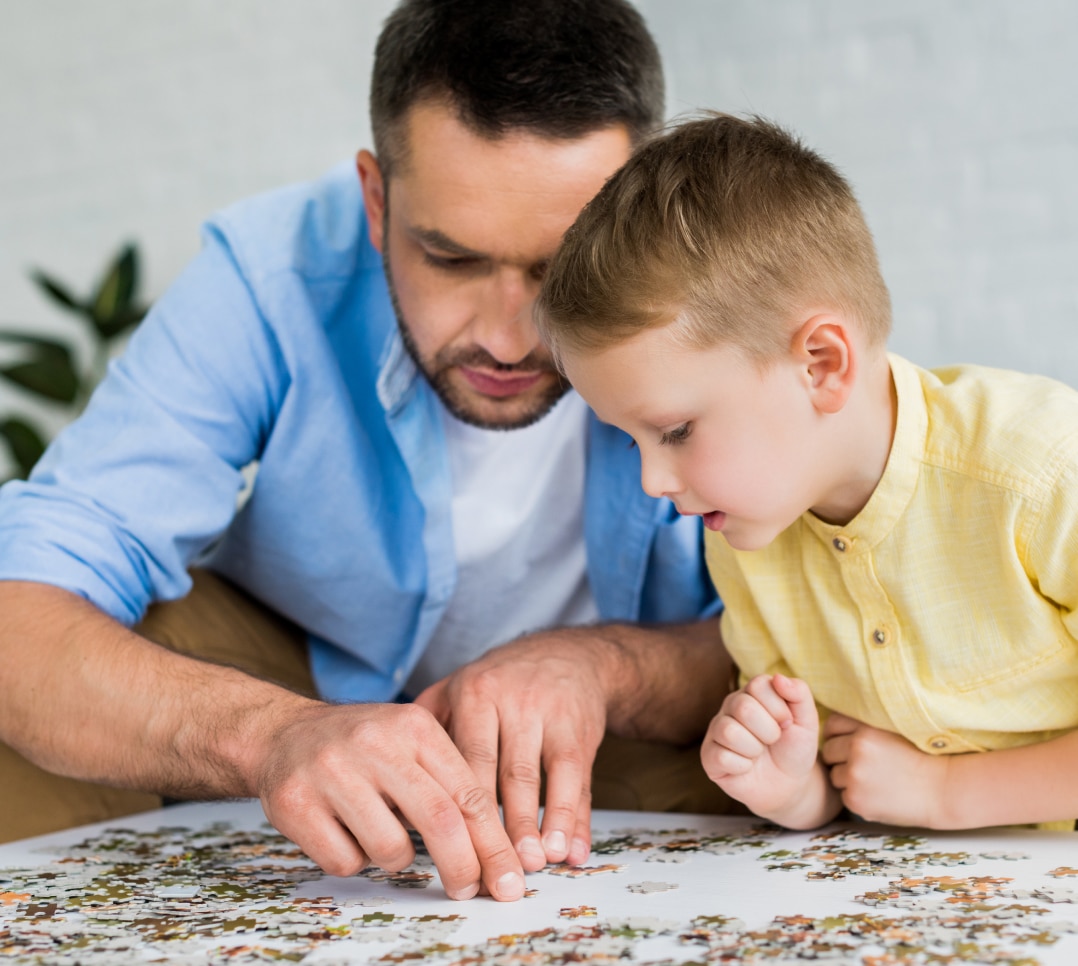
(394, 528)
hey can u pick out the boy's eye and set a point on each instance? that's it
(674, 436)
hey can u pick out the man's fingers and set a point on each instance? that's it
(568, 773)
(436, 700)
(380, 833)
(439, 820)
(519, 781)
(465, 828)
(476, 737)
(580, 847)
(322, 837)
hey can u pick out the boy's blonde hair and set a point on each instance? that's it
(729, 226)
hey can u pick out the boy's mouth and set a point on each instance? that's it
(714, 520)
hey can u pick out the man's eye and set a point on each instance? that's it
(450, 263)
(674, 436)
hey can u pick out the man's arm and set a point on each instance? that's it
(83, 696)
(884, 778)
(547, 699)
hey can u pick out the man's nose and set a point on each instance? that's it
(504, 325)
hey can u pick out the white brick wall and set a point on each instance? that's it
(954, 119)
(956, 122)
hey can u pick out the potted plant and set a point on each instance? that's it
(47, 368)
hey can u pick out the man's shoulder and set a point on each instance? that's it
(316, 229)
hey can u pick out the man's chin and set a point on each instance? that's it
(500, 412)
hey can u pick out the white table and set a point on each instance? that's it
(212, 883)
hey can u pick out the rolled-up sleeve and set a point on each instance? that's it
(147, 478)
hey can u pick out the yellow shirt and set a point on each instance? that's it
(945, 611)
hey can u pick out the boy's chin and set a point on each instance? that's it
(748, 538)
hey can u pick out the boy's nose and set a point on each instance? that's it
(657, 478)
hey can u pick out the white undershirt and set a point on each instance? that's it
(518, 530)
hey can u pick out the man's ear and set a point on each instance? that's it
(824, 347)
(374, 195)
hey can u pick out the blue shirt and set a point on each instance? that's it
(278, 344)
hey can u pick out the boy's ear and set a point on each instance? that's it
(823, 346)
(374, 195)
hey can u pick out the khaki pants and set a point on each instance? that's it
(218, 622)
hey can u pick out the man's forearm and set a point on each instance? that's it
(664, 682)
(83, 696)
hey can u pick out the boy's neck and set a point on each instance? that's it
(862, 441)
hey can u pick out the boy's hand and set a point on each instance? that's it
(761, 746)
(882, 776)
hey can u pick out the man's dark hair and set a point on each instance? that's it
(560, 68)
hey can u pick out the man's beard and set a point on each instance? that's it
(437, 370)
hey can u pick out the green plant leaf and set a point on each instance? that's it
(47, 370)
(122, 322)
(28, 338)
(112, 306)
(57, 291)
(24, 441)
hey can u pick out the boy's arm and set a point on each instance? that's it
(761, 750)
(884, 778)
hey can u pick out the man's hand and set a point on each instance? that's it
(94, 701)
(541, 700)
(761, 750)
(882, 776)
(340, 781)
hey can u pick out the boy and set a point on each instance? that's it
(894, 545)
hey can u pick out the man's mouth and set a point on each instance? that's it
(503, 384)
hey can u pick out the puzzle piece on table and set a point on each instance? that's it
(1051, 894)
(644, 888)
(580, 871)
(578, 912)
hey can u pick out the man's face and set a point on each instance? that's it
(466, 226)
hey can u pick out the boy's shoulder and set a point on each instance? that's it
(1011, 427)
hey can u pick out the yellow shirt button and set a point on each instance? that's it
(839, 544)
(938, 743)
(880, 637)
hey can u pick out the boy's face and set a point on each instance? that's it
(717, 435)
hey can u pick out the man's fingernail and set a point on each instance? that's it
(468, 892)
(580, 851)
(554, 842)
(511, 886)
(531, 848)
